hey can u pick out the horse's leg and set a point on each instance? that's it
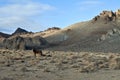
(34, 54)
(41, 53)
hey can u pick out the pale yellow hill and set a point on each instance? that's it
(80, 31)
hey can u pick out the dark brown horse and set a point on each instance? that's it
(38, 51)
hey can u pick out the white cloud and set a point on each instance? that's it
(24, 9)
(21, 14)
(10, 20)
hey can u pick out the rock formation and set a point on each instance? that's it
(53, 28)
(106, 16)
(20, 31)
(24, 43)
(118, 13)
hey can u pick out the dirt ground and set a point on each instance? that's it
(22, 65)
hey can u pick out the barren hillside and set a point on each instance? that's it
(102, 33)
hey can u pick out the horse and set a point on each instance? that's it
(38, 51)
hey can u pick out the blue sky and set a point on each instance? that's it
(38, 15)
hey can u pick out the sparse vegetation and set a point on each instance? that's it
(83, 62)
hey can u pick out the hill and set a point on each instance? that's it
(20, 31)
(102, 33)
(4, 35)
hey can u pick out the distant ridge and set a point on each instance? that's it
(4, 35)
(20, 31)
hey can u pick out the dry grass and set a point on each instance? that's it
(60, 61)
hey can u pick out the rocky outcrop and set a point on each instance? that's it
(110, 34)
(53, 28)
(118, 13)
(106, 16)
(25, 43)
(20, 31)
(2, 37)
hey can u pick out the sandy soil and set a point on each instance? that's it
(22, 65)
